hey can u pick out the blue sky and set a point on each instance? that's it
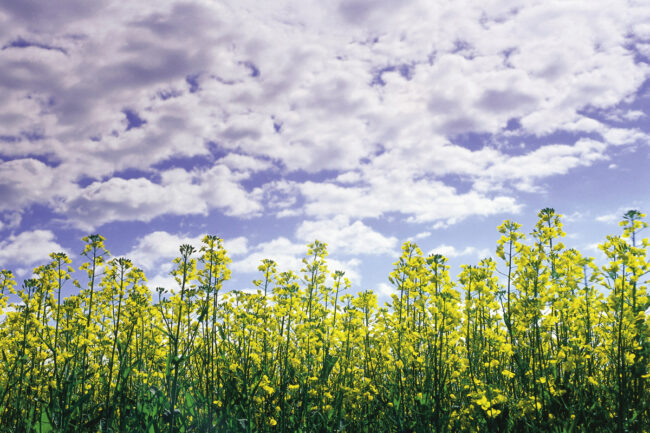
(360, 123)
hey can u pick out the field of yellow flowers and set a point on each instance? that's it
(548, 342)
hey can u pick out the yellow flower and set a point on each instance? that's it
(272, 422)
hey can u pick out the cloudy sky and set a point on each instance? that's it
(362, 123)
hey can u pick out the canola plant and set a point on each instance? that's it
(540, 339)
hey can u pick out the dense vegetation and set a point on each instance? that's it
(548, 342)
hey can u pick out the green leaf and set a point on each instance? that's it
(45, 425)
(190, 404)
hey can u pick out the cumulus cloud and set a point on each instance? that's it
(450, 251)
(548, 160)
(341, 111)
(160, 247)
(155, 252)
(613, 218)
(420, 200)
(346, 238)
(10, 220)
(609, 218)
(179, 192)
(26, 181)
(384, 292)
(284, 252)
(288, 255)
(422, 235)
(235, 161)
(29, 247)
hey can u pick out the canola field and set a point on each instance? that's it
(538, 339)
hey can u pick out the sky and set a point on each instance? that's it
(361, 123)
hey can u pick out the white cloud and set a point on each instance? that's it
(131, 199)
(613, 218)
(621, 136)
(154, 248)
(383, 292)
(546, 161)
(285, 253)
(450, 251)
(166, 281)
(279, 196)
(367, 100)
(610, 218)
(180, 192)
(30, 247)
(619, 115)
(346, 238)
(235, 161)
(160, 248)
(600, 258)
(575, 216)
(10, 220)
(155, 252)
(349, 177)
(420, 200)
(236, 246)
(288, 255)
(27, 181)
(422, 235)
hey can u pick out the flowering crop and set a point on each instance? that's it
(538, 339)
